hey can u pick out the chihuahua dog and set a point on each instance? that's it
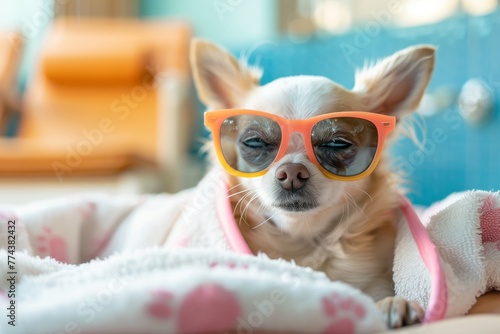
(314, 201)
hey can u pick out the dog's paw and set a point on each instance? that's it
(400, 312)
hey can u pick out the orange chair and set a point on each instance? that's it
(11, 45)
(109, 96)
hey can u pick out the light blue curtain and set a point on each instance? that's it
(229, 22)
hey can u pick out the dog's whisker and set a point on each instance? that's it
(237, 193)
(366, 193)
(254, 197)
(235, 186)
(243, 204)
(308, 227)
(351, 202)
(241, 200)
(356, 206)
(265, 221)
(347, 206)
(343, 211)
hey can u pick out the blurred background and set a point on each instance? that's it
(96, 95)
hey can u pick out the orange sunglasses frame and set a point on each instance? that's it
(384, 124)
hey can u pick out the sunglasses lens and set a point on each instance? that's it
(345, 146)
(249, 143)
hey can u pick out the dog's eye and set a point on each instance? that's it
(255, 143)
(337, 144)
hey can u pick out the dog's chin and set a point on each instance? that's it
(300, 201)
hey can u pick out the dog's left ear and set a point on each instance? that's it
(396, 84)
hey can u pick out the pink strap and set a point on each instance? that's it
(438, 301)
(228, 224)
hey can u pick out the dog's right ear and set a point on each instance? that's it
(222, 82)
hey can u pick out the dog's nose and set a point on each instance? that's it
(292, 176)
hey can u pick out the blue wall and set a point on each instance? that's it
(457, 156)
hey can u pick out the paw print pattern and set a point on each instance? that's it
(183, 242)
(49, 244)
(490, 222)
(88, 210)
(5, 217)
(230, 265)
(344, 312)
(159, 307)
(208, 308)
(3, 295)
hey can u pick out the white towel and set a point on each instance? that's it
(465, 228)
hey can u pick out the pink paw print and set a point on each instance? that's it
(208, 308)
(3, 295)
(6, 216)
(88, 210)
(51, 245)
(345, 312)
(490, 222)
(159, 307)
(183, 242)
(230, 265)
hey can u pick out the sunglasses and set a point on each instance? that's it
(344, 145)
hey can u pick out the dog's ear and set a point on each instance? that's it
(222, 82)
(396, 84)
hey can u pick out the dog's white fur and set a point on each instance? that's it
(350, 234)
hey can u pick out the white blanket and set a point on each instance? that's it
(182, 291)
(145, 283)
